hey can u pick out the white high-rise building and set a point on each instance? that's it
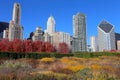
(94, 43)
(79, 31)
(106, 36)
(15, 29)
(51, 25)
(50, 30)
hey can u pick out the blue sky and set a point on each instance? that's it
(36, 12)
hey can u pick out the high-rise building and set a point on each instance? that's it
(48, 36)
(74, 45)
(38, 35)
(51, 25)
(79, 31)
(15, 29)
(106, 36)
(61, 37)
(94, 43)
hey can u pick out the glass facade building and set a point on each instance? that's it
(79, 31)
(106, 36)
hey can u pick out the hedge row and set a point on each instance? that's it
(13, 55)
(95, 54)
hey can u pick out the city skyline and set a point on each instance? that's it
(35, 13)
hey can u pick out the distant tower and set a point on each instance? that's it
(79, 29)
(51, 25)
(16, 13)
(15, 29)
(94, 43)
(48, 36)
(106, 36)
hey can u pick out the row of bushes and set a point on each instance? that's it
(13, 55)
(95, 54)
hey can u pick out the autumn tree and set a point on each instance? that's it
(4, 44)
(9, 47)
(63, 48)
(37, 46)
(28, 46)
(17, 45)
(48, 47)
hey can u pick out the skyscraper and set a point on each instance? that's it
(79, 31)
(94, 43)
(106, 36)
(51, 25)
(16, 13)
(15, 29)
(50, 30)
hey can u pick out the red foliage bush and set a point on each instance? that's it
(113, 50)
(63, 48)
(28, 46)
(48, 47)
(18, 45)
(3, 44)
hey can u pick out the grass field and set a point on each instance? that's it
(66, 68)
